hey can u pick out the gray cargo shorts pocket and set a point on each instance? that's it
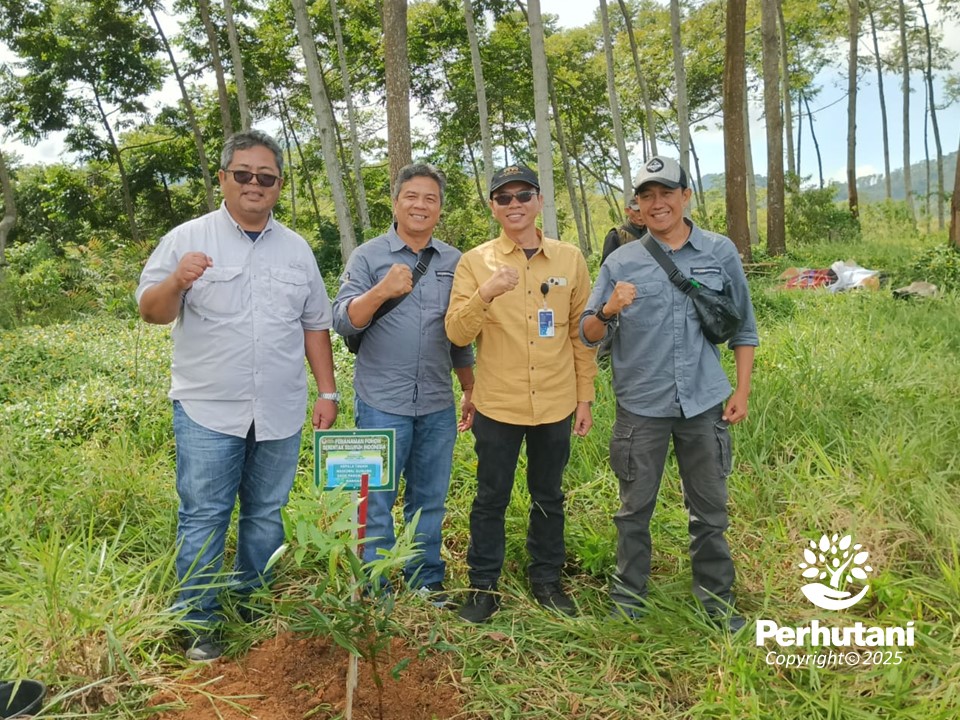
(723, 441)
(621, 445)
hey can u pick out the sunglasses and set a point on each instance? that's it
(524, 196)
(245, 176)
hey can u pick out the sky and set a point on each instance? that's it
(829, 111)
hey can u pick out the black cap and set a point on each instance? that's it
(514, 173)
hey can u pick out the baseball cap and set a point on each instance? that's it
(633, 204)
(513, 173)
(663, 170)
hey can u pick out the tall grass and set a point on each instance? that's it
(854, 426)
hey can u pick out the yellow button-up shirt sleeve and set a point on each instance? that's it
(521, 377)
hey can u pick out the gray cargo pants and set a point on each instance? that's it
(638, 452)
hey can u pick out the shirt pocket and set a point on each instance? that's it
(289, 290)
(708, 277)
(649, 307)
(442, 286)
(218, 293)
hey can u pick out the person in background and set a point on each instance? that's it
(631, 229)
(669, 383)
(519, 297)
(247, 303)
(402, 372)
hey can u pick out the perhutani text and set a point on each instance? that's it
(817, 635)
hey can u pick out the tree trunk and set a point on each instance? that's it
(785, 99)
(698, 188)
(351, 121)
(477, 64)
(326, 125)
(816, 144)
(615, 105)
(853, 37)
(926, 161)
(397, 66)
(734, 89)
(776, 238)
(124, 180)
(642, 80)
(753, 221)
(955, 208)
(284, 113)
(191, 115)
(541, 104)
(226, 121)
(933, 120)
(888, 183)
(905, 68)
(237, 59)
(9, 209)
(683, 114)
(567, 175)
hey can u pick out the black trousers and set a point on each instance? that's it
(497, 446)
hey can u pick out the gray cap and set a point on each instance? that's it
(663, 171)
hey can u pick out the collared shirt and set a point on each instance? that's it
(662, 364)
(523, 378)
(238, 354)
(403, 366)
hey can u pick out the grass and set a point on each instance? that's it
(854, 426)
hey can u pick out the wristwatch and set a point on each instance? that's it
(605, 319)
(335, 396)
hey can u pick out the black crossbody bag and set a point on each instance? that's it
(719, 317)
(353, 341)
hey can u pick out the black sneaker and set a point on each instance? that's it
(627, 612)
(551, 595)
(435, 594)
(202, 648)
(727, 619)
(481, 603)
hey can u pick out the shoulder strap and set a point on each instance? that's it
(423, 262)
(669, 267)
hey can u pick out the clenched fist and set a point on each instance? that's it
(190, 268)
(398, 281)
(504, 279)
(623, 294)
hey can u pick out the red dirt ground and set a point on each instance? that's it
(292, 677)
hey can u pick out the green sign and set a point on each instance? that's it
(341, 457)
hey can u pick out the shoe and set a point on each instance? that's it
(627, 612)
(551, 595)
(482, 602)
(202, 648)
(727, 619)
(435, 594)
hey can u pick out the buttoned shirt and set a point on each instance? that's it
(238, 352)
(663, 366)
(404, 362)
(522, 377)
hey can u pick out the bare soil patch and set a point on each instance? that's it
(292, 677)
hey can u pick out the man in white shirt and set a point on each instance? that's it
(247, 302)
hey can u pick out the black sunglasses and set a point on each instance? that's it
(523, 196)
(245, 176)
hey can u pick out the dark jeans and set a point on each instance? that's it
(638, 451)
(498, 448)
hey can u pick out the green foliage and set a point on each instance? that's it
(812, 216)
(939, 265)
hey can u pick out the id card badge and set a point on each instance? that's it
(547, 328)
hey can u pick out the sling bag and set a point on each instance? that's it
(423, 262)
(719, 317)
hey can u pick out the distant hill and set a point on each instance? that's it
(871, 187)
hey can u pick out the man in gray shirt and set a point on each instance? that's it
(402, 371)
(247, 302)
(668, 382)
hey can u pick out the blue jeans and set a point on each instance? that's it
(213, 470)
(424, 447)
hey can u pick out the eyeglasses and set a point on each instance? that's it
(524, 196)
(245, 176)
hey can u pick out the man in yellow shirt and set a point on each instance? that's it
(520, 297)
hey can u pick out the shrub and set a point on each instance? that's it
(939, 265)
(813, 216)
